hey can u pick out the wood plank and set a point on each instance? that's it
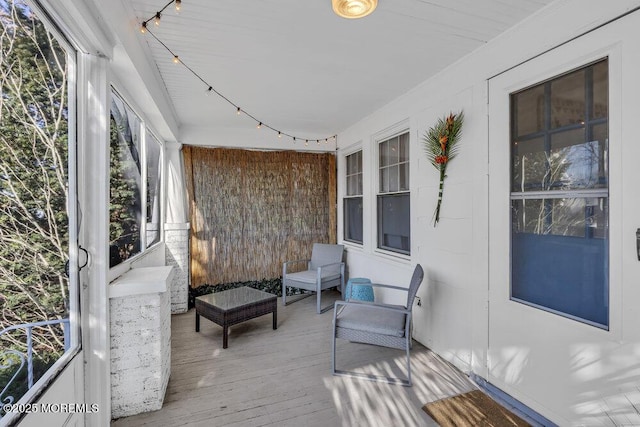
(282, 377)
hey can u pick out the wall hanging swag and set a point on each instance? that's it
(440, 144)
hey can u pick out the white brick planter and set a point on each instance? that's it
(140, 312)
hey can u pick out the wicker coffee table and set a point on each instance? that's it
(234, 306)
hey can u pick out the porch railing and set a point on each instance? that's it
(13, 358)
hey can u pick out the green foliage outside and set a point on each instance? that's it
(125, 196)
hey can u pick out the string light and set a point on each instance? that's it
(144, 28)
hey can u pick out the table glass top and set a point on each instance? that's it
(237, 297)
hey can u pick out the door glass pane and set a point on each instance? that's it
(574, 162)
(568, 100)
(559, 257)
(530, 165)
(36, 115)
(529, 105)
(600, 103)
(600, 134)
(559, 242)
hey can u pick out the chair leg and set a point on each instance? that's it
(333, 348)
(284, 294)
(408, 364)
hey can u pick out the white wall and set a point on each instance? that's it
(454, 317)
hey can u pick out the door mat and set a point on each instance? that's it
(472, 409)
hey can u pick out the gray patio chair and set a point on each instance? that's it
(379, 324)
(324, 270)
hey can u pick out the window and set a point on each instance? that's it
(39, 290)
(353, 199)
(134, 208)
(559, 195)
(154, 169)
(393, 195)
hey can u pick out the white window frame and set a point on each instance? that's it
(73, 216)
(390, 132)
(124, 266)
(352, 196)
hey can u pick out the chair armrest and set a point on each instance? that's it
(287, 263)
(398, 288)
(335, 264)
(370, 305)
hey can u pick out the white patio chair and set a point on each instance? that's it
(378, 324)
(324, 270)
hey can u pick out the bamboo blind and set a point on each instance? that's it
(251, 210)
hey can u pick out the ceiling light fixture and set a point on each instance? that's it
(352, 9)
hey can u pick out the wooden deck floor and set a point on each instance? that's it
(282, 377)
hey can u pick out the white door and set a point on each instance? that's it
(564, 155)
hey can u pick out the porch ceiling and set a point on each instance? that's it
(298, 67)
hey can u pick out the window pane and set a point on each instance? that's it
(353, 219)
(35, 118)
(559, 243)
(404, 148)
(575, 163)
(354, 174)
(393, 151)
(384, 180)
(560, 256)
(600, 134)
(394, 231)
(394, 184)
(154, 156)
(404, 177)
(568, 100)
(351, 164)
(529, 165)
(125, 205)
(384, 154)
(352, 183)
(600, 105)
(529, 107)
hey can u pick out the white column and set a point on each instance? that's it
(93, 188)
(177, 228)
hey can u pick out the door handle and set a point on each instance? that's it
(638, 242)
